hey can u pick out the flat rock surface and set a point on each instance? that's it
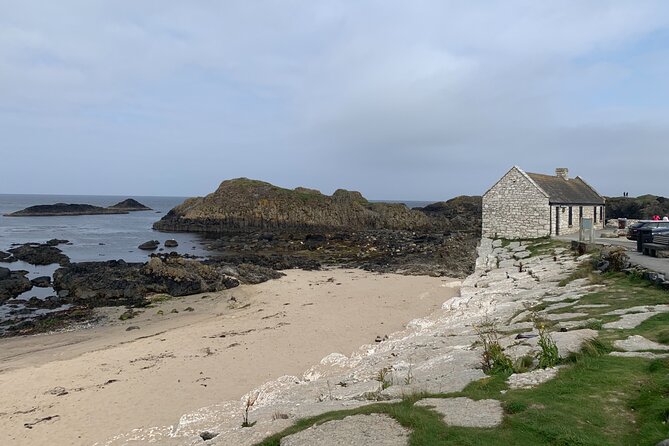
(356, 430)
(645, 355)
(466, 412)
(638, 343)
(571, 341)
(631, 320)
(531, 379)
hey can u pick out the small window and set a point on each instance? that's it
(571, 217)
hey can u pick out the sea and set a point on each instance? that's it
(93, 237)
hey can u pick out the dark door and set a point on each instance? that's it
(557, 220)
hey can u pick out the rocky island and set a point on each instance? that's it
(130, 205)
(67, 209)
(256, 222)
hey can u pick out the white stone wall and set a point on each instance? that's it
(515, 208)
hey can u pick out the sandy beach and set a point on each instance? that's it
(83, 386)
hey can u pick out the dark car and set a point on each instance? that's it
(648, 226)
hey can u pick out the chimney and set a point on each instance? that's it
(562, 172)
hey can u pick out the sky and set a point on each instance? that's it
(419, 100)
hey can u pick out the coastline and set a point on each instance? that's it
(105, 381)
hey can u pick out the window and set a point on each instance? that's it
(595, 214)
(571, 217)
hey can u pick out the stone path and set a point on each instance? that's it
(356, 430)
(466, 412)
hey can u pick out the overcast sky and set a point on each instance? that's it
(421, 100)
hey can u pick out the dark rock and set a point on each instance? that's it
(48, 303)
(39, 254)
(60, 209)
(119, 283)
(171, 243)
(150, 245)
(56, 242)
(41, 282)
(6, 257)
(130, 205)
(13, 284)
(206, 435)
(4, 273)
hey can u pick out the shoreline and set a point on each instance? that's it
(177, 363)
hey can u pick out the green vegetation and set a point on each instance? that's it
(597, 399)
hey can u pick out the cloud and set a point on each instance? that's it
(425, 100)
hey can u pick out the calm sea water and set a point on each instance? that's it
(93, 237)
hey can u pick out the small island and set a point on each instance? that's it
(67, 209)
(130, 205)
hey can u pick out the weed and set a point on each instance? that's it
(523, 364)
(493, 359)
(250, 401)
(549, 355)
(384, 376)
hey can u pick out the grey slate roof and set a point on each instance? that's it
(567, 191)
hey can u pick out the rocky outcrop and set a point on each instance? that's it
(130, 205)
(37, 254)
(117, 282)
(63, 209)
(461, 213)
(642, 207)
(244, 204)
(13, 283)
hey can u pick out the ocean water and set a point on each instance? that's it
(93, 237)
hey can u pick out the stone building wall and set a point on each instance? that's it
(588, 212)
(515, 208)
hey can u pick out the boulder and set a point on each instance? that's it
(171, 243)
(150, 245)
(13, 284)
(41, 282)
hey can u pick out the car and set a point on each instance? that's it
(648, 226)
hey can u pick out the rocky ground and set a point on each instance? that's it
(437, 354)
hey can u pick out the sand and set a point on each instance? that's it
(84, 386)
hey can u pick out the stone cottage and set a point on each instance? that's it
(525, 205)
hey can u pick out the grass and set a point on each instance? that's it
(597, 399)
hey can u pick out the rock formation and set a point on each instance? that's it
(35, 254)
(130, 205)
(117, 282)
(13, 283)
(63, 209)
(244, 204)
